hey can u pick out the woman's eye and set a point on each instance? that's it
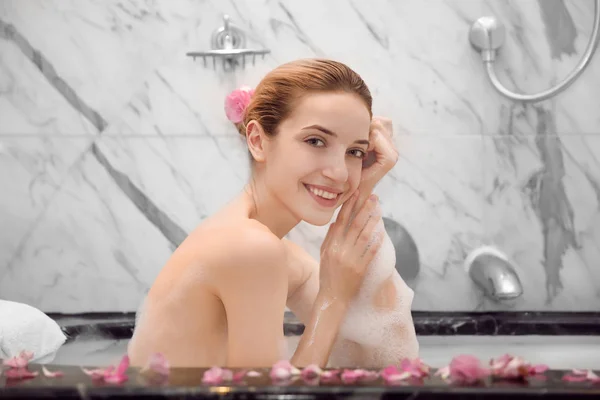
(315, 142)
(358, 153)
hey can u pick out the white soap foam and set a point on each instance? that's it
(386, 336)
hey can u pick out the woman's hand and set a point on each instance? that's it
(350, 245)
(382, 154)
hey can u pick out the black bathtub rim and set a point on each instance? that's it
(119, 326)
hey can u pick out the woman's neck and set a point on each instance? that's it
(268, 210)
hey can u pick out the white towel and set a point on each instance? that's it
(23, 327)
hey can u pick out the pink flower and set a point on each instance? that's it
(310, 372)
(417, 368)
(331, 375)
(581, 375)
(110, 374)
(158, 364)
(509, 367)
(19, 373)
(19, 361)
(444, 372)
(409, 369)
(355, 375)
(465, 369)
(237, 102)
(282, 370)
(49, 374)
(392, 374)
(17, 366)
(217, 375)
(157, 369)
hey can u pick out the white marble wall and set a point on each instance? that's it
(114, 144)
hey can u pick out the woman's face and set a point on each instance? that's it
(314, 163)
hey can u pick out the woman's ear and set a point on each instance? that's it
(256, 140)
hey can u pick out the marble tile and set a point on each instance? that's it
(103, 49)
(92, 222)
(435, 193)
(542, 207)
(417, 60)
(33, 170)
(29, 104)
(116, 219)
(577, 109)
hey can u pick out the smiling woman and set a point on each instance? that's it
(308, 127)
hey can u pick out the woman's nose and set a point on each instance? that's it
(336, 170)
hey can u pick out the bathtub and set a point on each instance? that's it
(561, 342)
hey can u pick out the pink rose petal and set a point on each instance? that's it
(97, 373)
(310, 372)
(19, 373)
(110, 374)
(217, 375)
(158, 364)
(392, 374)
(355, 375)
(239, 376)
(330, 375)
(539, 369)
(237, 102)
(579, 375)
(416, 368)
(49, 374)
(283, 370)
(467, 369)
(19, 361)
(444, 372)
(510, 367)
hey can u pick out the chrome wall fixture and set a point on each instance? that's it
(228, 43)
(487, 35)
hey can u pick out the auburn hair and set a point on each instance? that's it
(279, 91)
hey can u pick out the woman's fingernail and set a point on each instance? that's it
(373, 197)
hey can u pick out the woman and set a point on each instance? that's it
(220, 299)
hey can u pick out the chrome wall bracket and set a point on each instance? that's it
(228, 47)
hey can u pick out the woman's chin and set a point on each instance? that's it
(318, 219)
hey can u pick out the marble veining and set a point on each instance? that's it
(114, 144)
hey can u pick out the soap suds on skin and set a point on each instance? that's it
(386, 335)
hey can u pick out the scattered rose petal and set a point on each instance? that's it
(539, 369)
(158, 364)
(330, 375)
(239, 376)
(310, 372)
(510, 367)
(444, 372)
(97, 373)
(19, 373)
(119, 375)
(19, 361)
(50, 374)
(253, 374)
(579, 375)
(217, 375)
(416, 368)
(466, 369)
(110, 374)
(392, 374)
(355, 375)
(283, 370)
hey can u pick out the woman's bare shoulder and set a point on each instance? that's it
(242, 244)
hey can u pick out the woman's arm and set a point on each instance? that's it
(253, 288)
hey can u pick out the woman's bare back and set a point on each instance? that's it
(183, 316)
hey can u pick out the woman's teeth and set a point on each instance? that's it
(322, 193)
